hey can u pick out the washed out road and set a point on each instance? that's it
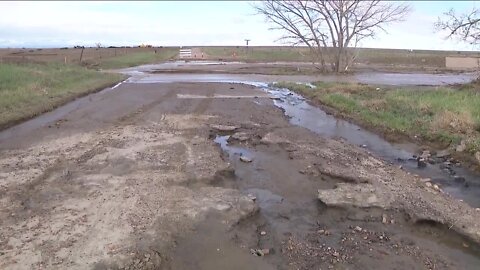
(212, 175)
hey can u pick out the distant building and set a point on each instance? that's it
(462, 62)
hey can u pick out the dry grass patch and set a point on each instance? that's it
(454, 122)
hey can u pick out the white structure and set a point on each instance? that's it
(185, 53)
(462, 63)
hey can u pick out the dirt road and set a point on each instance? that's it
(155, 175)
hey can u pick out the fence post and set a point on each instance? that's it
(81, 55)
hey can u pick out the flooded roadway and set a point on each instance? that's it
(210, 71)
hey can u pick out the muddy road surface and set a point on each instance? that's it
(202, 175)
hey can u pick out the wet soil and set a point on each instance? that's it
(142, 177)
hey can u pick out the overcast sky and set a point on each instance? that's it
(56, 24)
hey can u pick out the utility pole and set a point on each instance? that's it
(247, 40)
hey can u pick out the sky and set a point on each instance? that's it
(195, 23)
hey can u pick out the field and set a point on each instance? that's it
(392, 59)
(27, 90)
(384, 58)
(441, 115)
(91, 57)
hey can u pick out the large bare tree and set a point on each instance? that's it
(330, 27)
(462, 26)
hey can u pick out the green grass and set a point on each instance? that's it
(139, 58)
(443, 115)
(27, 90)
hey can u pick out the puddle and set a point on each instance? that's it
(305, 115)
(231, 150)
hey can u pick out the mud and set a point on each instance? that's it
(146, 176)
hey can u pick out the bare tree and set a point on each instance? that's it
(329, 27)
(463, 26)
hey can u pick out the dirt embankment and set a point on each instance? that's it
(133, 179)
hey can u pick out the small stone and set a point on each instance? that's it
(436, 187)
(252, 197)
(425, 154)
(428, 184)
(421, 163)
(465, 245)
(224, 127)
(384, 219)
(335, 254)
(245, 159)
(240, 136)
(321, 231)
(358, 228)
(263, 233)
(461, 147)
(260, 252)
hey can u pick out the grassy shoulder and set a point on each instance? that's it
(135, 59)
(28, 90)
(444, 116)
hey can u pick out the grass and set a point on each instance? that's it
(444, 115)
(135, 59)
(27, 90)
